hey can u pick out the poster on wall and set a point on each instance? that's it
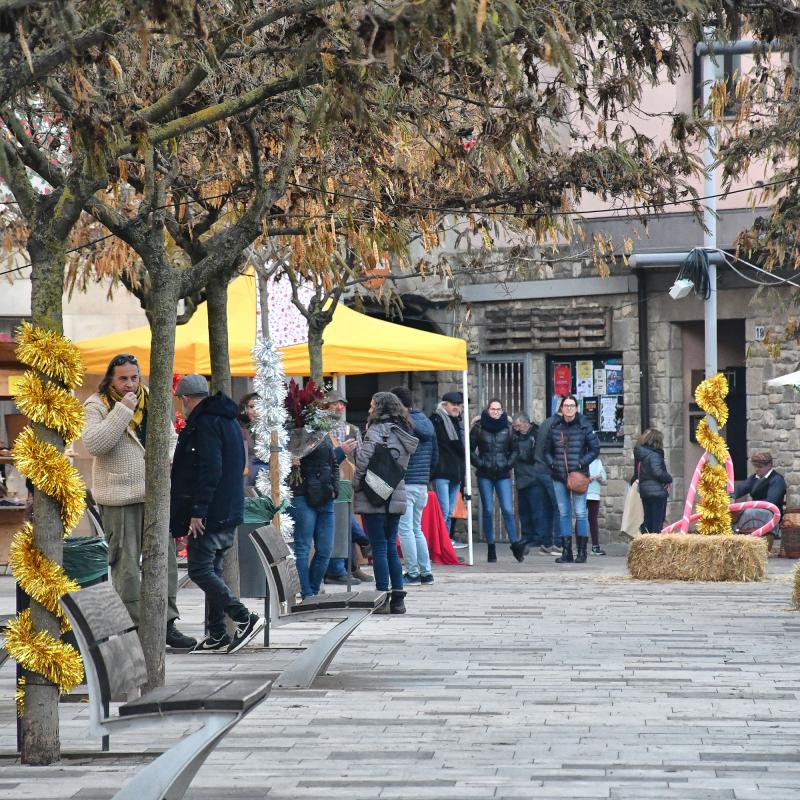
(613, 378)
(583, 379)
(562, 379)
(599, 381)
(590, 411)
(608, 414)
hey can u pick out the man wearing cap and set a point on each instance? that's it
(207, 503)
(448, 472)
(345, 439)
(764, 484)
(116, 435)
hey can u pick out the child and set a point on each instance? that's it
(597, 473)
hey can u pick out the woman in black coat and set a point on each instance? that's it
(571, 446)
(491, 446)
(654, 479)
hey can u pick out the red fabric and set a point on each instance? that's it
(436, 534)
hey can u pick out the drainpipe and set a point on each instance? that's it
(644, 354)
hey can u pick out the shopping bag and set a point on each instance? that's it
(632, 512)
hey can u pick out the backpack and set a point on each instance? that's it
(383, 475)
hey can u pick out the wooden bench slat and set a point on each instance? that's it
(120, 663)
(271, 543)
(100, 612)
(220, 695)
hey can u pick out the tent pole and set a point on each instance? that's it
(467, 471)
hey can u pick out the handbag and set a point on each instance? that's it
(383, 475)
(576, 481)
(632, 512)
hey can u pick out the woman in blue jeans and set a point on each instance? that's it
(571, 446)
(388, 424)
(312, 513)
(491, 451)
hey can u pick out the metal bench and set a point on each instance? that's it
(115, 672)
(283, 583)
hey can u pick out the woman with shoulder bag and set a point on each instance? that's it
(388, 426)
(654, 479)
(571, 447)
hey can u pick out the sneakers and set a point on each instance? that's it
(554, 550)
(361, 575)
(545, 550)
(411, 579)
(597, 550)
(245, 631)
(177, 640)
(212, 645)
(426, 578)
(458, 545)
(341, 580)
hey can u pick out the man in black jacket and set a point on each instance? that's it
(207, 503)
(764, 484)
(447, 475)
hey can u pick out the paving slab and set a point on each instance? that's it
(504, 680)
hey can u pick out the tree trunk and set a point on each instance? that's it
(162, 314)
(217, 301)
(315, 342)
(40, 734)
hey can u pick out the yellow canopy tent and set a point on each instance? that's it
(191, 339)
(358, 345)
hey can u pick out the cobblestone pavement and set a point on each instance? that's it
(502, 681)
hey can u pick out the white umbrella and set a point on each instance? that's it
(792, 379)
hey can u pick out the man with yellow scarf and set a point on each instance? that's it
(116, 435)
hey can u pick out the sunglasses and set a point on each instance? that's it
(123, 358)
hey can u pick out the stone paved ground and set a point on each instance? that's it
(502, 681)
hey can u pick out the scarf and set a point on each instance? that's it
(492, 425)
(450, 429)
(138, 424)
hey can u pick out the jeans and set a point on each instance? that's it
(205, 555)
(655, 509)
(336, 566)
(567, 502)
(487, 487)
(446, 493)
(312, 525)
(382, 532)
(526, 504)
(412, 540)
(545, 505)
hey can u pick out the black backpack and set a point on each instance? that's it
(383, 475)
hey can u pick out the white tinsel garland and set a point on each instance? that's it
(271, 417)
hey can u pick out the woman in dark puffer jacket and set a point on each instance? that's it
(654, 479)
(571, 446)
(312, 512)
(491, 446)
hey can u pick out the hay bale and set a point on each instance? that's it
(796, 588)
(692, 557)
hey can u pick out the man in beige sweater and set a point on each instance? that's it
(115, 434)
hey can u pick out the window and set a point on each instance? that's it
(597, 382)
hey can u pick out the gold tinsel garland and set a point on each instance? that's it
(50, 472)
(715, 517)
(38, 576)
(50, 405)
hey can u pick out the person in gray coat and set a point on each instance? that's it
(418, 475)
(388, 422)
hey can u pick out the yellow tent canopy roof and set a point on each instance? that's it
(354, 344)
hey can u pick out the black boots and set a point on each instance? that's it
(492, 552)
(566, 551)
(396, 604)
(582, 543)
(383, 608)
(518, 549)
